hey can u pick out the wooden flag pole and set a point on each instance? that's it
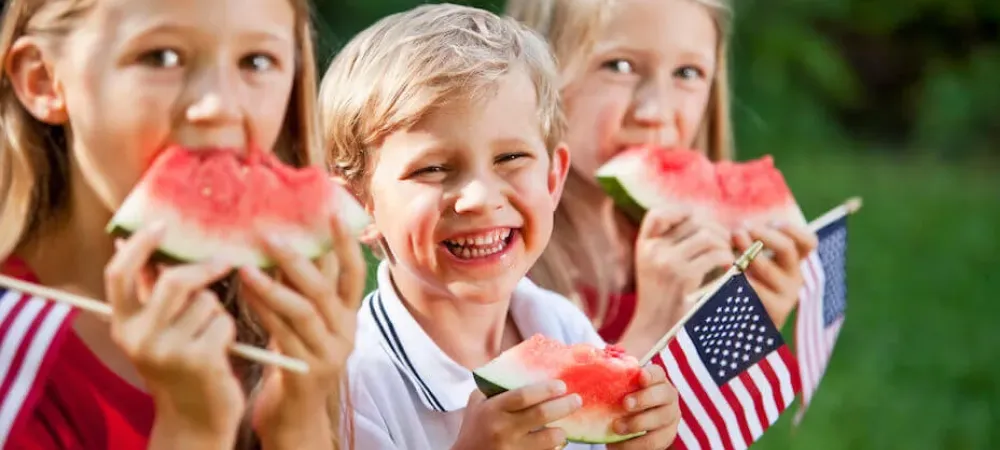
(104, 310)
(738, 266)
(849, 206)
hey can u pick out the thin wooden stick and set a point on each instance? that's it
(849, 206)
(104, 310)
(738, 266)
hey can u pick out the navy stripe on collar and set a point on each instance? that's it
(388, 332)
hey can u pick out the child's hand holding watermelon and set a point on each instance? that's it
(311, 318)
(517, 419)
(654, 410)
(778, 278)
(176, 333)
(674, 250)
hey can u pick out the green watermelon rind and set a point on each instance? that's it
(491, 389)
(164, 255)
(625, 201)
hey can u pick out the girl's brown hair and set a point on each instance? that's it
(571, 28)
(34, 161)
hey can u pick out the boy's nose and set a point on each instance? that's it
(479, 195)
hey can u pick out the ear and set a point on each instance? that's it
(34, 81)
(557, 171)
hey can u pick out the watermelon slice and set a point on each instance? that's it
(732, 193)
(602, 378)
(213, 201)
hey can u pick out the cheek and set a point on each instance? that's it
(268, 106)
(594, 121)
(405, 216)
(692, 115)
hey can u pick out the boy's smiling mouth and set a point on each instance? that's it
(481, 244)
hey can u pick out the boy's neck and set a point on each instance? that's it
(471, 334)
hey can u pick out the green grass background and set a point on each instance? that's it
(917, 363)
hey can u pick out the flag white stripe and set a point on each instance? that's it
(686, 436)
(759, 380)
(7, 303)
(685, 392)
(31, 364)
(784, 378)
(713, 392)
(749, 406)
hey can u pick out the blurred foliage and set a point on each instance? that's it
(916, 76)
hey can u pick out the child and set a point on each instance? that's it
(91, 91)
(646, 72)
(444, 120)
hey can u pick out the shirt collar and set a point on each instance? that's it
(441, 383)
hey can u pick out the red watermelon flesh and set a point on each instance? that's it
(733, 193)
(602, 378)
(214, 201)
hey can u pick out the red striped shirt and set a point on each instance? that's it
(55, 393)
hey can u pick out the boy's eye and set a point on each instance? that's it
(619, 65)
(508, 157)
(164, 57)
(689, 73)
(258, 62)
(428, 170)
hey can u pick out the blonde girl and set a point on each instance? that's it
(638, 72)
(91, 91)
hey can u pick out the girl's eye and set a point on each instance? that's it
(689, 73)
(619, 66)
(258, 62)
(162, 58)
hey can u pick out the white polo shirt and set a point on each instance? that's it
(407, 394)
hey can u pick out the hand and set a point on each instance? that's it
(675, 250)
(311, 318)
(777, 279)
(517, 419)
(655, 410)
(176, 334)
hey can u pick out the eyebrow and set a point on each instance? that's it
(153, 28)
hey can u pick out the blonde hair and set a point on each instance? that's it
(399, 70)
(571, 28)
(35, 156)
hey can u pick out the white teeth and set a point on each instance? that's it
(479, 246)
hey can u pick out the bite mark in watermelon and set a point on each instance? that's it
(214, 201)
(732, 193)
(602, 378)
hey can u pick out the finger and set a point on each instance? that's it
(781, 245)
(196, 316)
(549, 411)
(696, 223)
(705, 263)
(219, 333)
(804, 239)
(525, 397)
(659, 221)
(703, 241)
(291, 319)
(175, 287)
(544, 438)
(304, 276)
(125, 268)
(351, 279)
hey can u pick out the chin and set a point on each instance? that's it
(487, 293)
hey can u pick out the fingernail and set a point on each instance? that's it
(559, 388)
(630, 403)
(577, 400)
(621, 427)
(119, 243)
(157, 227)
(777, 223)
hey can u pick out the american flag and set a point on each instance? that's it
(30, 330)
(734, 373)
(822, 305)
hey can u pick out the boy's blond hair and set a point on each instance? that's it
(397, 71)
(571, 28)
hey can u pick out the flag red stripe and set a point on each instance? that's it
(789, 360)
(773, 381)
(696, 386)
(686, 415)
(757, 397)
(737, 407)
